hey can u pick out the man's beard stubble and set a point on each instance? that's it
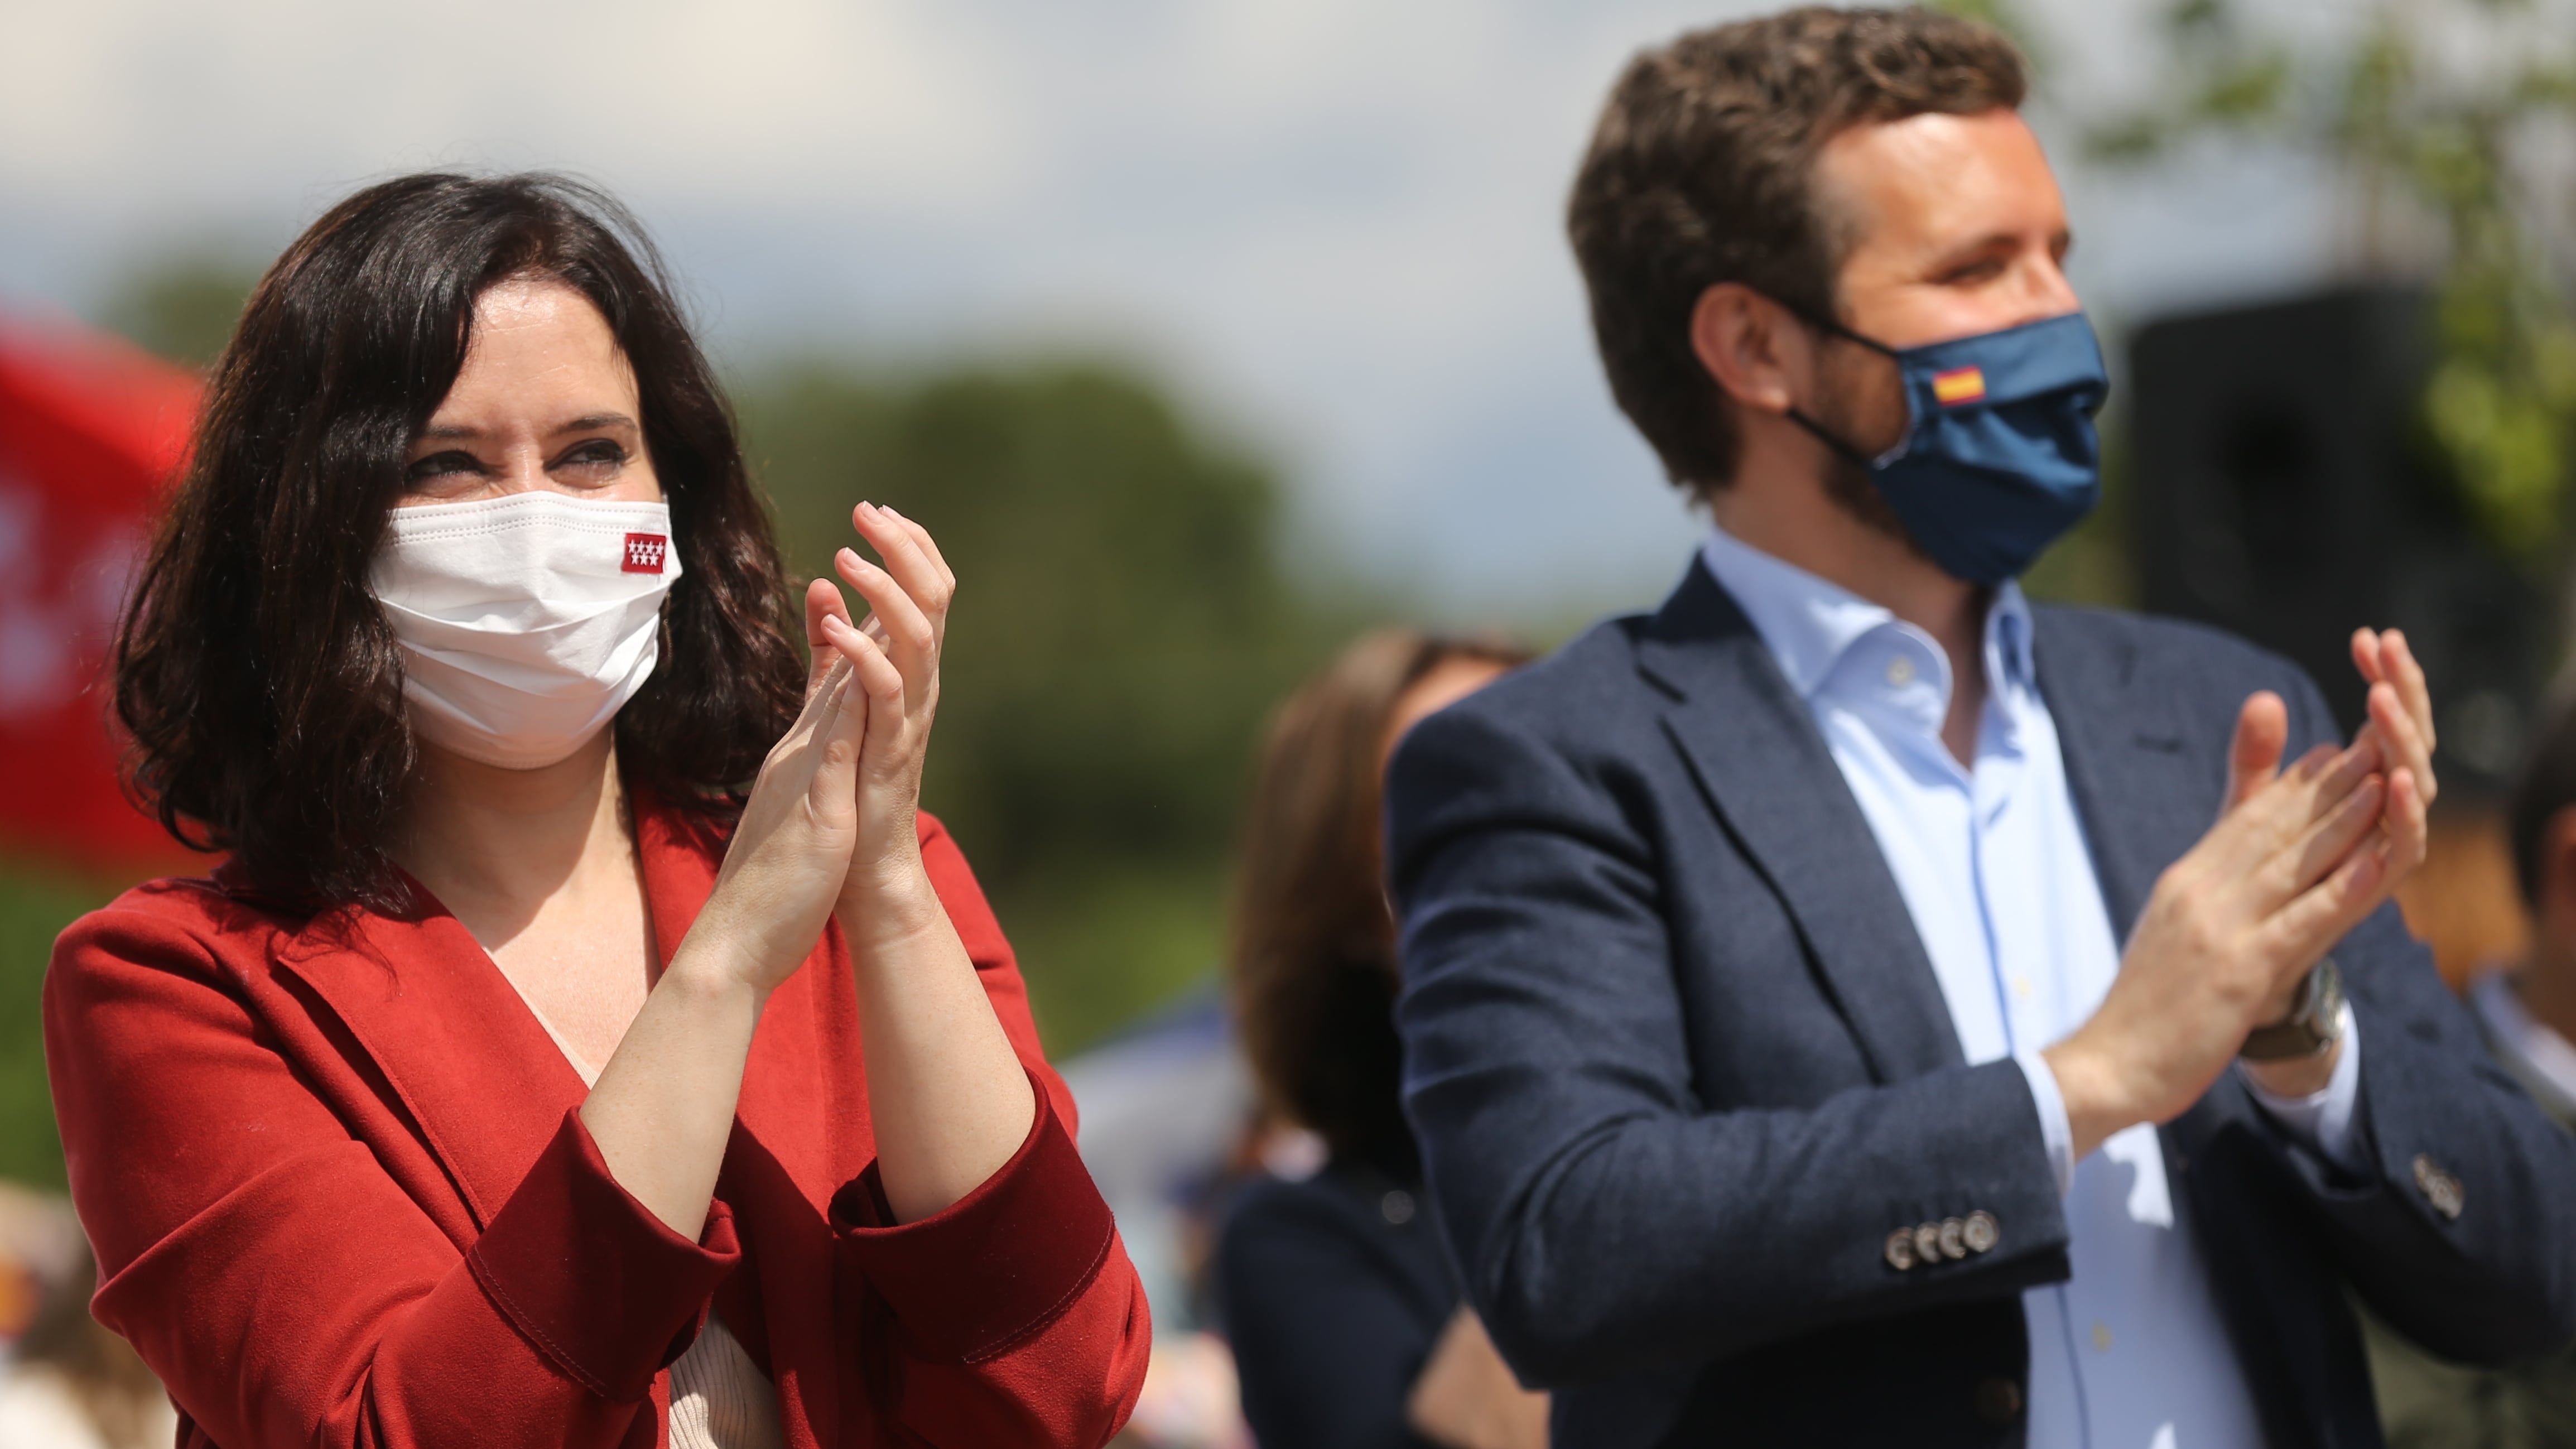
(1847, 483)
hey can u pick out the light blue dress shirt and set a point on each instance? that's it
(2130, 1352)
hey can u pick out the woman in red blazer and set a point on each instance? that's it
(517, 1080)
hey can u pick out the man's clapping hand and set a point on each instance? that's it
(2298, 857)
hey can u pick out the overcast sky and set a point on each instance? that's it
(1331, 225)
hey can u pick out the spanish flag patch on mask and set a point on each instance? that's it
(1959, 385)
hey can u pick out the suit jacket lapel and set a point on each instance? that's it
(1755, 750)
(2142, 797)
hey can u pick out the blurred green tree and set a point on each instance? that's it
(2450, 123)
(36, 902)
(183, 307)
(1121, 628)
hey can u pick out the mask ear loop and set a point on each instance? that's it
(1833, 442)
(1836, 445)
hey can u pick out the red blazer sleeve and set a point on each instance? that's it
(284, 1286)
(1012, 1317)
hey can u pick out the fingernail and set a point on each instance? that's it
(849, 558)
(834, 623)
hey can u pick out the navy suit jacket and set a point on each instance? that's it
(1679, 1064)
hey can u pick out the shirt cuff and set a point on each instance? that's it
(2055, 1132)
(2323, 1119)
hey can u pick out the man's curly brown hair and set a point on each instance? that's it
(1701, 172)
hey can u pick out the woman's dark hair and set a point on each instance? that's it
(1312, 944)
(1701, 171)
(254, 671)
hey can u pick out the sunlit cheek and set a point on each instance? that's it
(629, 482)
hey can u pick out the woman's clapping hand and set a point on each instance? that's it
(823, 794)
(948, 1097)
(831, 827)
(894, 658)
(831, 817)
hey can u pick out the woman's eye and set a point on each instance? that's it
(597, 455)
(442, 465)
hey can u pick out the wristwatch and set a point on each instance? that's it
(2313, 1026)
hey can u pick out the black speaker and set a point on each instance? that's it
(2283, 489)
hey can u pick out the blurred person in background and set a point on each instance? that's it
(1343, 1312)
(515, 1080)
(1854, 1005)
(2527, 1013)
(71, 1384)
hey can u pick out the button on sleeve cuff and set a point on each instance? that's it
(600, 1285)
(2054, 1130)
(996, 1266)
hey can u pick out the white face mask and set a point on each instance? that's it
(526, 622)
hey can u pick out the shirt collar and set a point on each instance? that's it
(1809, 623)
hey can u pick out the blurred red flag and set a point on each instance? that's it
(92, 430)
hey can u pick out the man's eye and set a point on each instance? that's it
(441, 465)
(1974, 273)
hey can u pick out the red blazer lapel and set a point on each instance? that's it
(487, 1087)
(679, 857)
(484, 1084)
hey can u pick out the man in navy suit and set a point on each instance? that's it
(1854, 1005)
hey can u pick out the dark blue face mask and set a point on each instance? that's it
(1999, 458)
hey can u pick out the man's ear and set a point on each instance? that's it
(1755, 350)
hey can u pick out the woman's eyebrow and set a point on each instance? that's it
(586, 423)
